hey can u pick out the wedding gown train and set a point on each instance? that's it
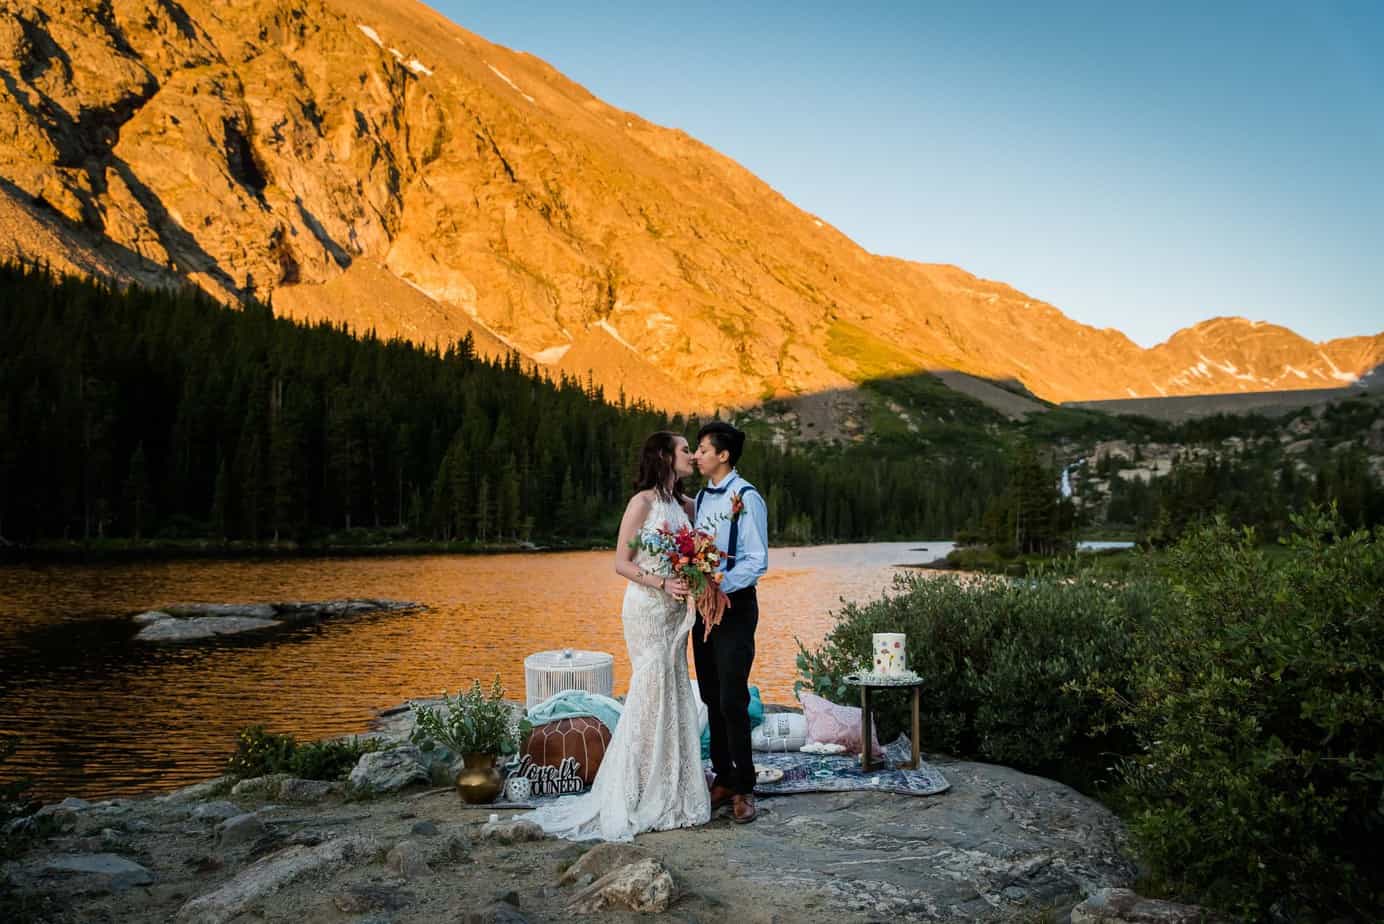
(651, 776)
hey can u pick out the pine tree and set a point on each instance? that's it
(138, 493)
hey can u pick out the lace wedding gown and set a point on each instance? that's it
(651, 777)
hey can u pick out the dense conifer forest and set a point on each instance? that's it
(159, 414)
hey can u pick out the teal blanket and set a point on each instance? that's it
(569, 704)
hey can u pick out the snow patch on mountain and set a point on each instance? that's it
(609, 328)
(501, 74)
(370, 33)
(551, 354)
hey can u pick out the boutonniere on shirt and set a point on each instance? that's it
(737, 507)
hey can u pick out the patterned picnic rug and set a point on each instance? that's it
(816, 773)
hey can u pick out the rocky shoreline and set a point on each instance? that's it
(391, 846)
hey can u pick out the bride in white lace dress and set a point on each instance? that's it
(651, 776)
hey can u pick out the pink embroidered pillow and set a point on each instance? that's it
(828, 723)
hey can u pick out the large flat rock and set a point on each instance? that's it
(182, 622)
(999, 841)
(998, 846)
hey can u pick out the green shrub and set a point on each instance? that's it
(259, 753)
(330, 760)
(1003, 661)
(1258, 710)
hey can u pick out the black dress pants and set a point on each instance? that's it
(723, 678)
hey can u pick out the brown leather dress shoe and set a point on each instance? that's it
(720, 795)
(745, 811)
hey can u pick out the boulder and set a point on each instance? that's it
(514, 831)
(216, 811)
(365, 897)
(389, 771)
(602, 860)
(304, 792)
(644, 887)
(97, 872)
(262, 787)
(196, 792)
(240, 829)
(407, 860)
(267, 876)
(1121, 906)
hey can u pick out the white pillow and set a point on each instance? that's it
(780, 731)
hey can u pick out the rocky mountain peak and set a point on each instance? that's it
(377, 165)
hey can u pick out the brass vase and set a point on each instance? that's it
(479, 782)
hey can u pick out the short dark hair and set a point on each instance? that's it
(725, 438)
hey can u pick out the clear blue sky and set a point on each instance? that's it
(1140, 166)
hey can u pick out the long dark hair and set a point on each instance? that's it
(656, 465)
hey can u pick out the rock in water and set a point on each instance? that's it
(174, 629)
(389, 771)
(271, 874)
(182, 622)
(645, 887)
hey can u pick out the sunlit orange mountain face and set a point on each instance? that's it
(378, 165)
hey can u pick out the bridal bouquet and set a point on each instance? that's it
(692, 555)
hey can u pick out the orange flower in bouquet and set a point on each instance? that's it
(692, 555)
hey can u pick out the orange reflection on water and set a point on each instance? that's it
(99, 714)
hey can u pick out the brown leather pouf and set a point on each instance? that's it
(582, 738)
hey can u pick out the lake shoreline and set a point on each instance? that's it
(122, 551)
(398, 839)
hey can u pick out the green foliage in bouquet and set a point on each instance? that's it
(259, 753)
(473, 722)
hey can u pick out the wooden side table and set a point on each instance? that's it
(866, 687)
